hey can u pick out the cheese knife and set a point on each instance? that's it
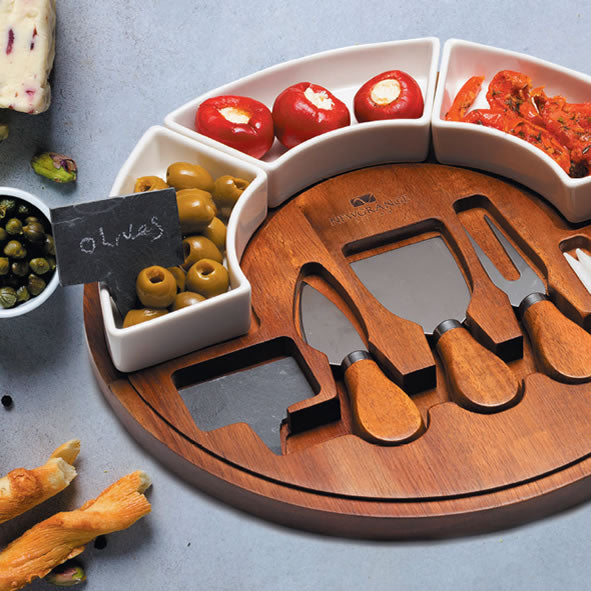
(562, 347)
(382, 412)
(422, 282)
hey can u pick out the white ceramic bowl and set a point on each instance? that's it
(218, 318)
(490, 149)
(342, 71)
(34, 302)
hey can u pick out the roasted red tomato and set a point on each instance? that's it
(389, 95)
(306, 110)
(237, 121)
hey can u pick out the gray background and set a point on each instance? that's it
(120, 67)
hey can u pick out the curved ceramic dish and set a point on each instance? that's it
(342, 71)
(490, 149)
(216, 319)
(53, 283)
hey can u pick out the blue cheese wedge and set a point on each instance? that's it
(27, 49)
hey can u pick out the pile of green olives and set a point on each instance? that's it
(27, 252)
(204, 206)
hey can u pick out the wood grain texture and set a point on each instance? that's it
(563, 348)
(383, 413)
(468, 471)
(479, 379)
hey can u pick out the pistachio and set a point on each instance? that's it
(56, 167)
(66, 575)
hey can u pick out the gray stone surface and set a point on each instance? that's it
(121, 66)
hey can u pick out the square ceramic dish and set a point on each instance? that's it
(342, 71)
(213, 320)
(493, 150)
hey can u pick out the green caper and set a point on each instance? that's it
(15, 250)
(22, 294)
(19, 268)
(51, 261)
(7, 206)
(30, 219)
(7, 297)
(34, 232)
(35, 285)
(184, 175)
(39, 265)
(13, 226)
(23, 210)
(3, 234)
(49, 245)
(4, 265)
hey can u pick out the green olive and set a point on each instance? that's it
(155, 287)
(149, 183)
(186, 298)
(34, 232)
(208, 278)
(216, 232)
(15, 250)
(39, 265)
(13, 226)
(141, 315)
(196, 210)
(226, 191)
(7, 297)
(184, 175)
(35, 285)
(179, 275)
(196, 248)
(20, 268)
(4, 265)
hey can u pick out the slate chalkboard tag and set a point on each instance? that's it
(113, 239)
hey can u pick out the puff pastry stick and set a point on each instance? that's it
(63, 535)
(22, 489)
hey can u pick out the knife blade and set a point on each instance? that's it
(382, 412)
(422, 282)
(562, 347)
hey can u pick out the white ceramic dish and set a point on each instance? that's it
(216, 319)
(342, 71)
(53, 283)
(489, 149)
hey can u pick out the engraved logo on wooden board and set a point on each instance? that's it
(365, 206)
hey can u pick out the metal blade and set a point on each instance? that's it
(420, 282)
(517, 289)
(325, 327)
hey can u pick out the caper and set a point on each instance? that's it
(4, 265)
(22, 294)
(19, 268)
(13, 226)
(7, 297)
(39, 265)
(51, 261)
(7, 206)
(23, 210)
(30, 219)
(35, 285)
(49, 245)
(149, 183)
(34, 232)
(15, 250)
(3, 234)
(184, 175)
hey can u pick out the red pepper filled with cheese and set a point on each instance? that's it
(239, 122)
(389, 95)
(306, 110)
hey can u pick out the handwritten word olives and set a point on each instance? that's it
(196, 248)
(137, 316)
(208, 278)
(196, 210)
(186, 298)
(149, 183)
(184, 175)
(216, 232)
(155, 287)
(226, 191)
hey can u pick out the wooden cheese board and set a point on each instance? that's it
(472, 468)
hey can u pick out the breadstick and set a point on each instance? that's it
(21, 489)
(63, 535)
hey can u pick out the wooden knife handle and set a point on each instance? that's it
(383, 413)
(562, 347)
(479, 380)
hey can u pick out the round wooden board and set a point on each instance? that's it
(469, 471)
